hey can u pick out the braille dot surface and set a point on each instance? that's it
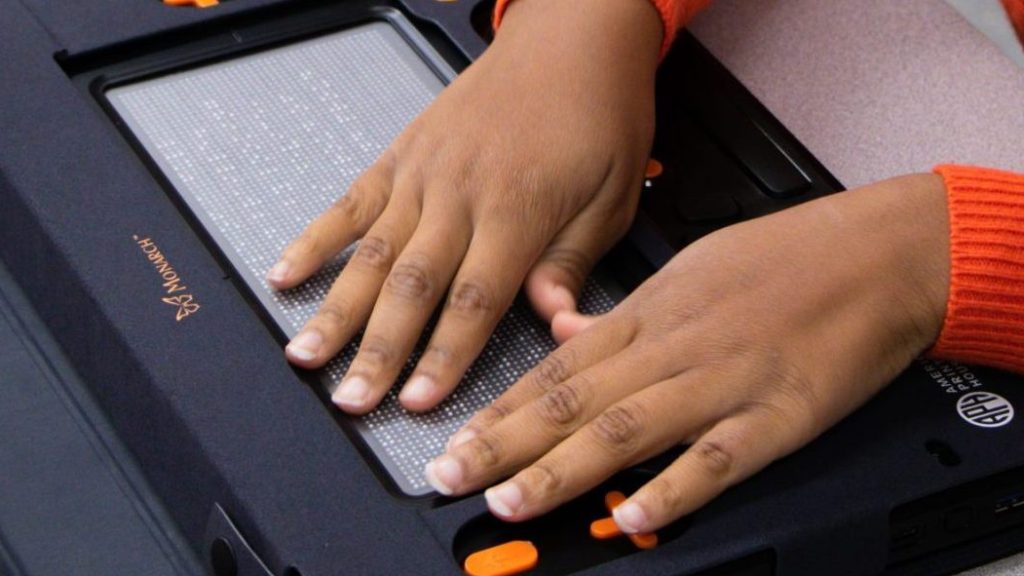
(260, 145)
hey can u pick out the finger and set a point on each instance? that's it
(628, 432)
(591, 347)
(483, 289)
(567, 324)
(339, 226)
(408, 298)
(526, 434)
(554, 283)
(728, 453)
(348, 304)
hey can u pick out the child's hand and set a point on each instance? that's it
(748, 344)
(529, 163)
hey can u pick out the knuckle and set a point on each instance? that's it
(350, 207)
(797, 420)
(485, 450)
(551, 371)
(525, 205)
(542, 478)
(374, 352)
(374, 252)
(498, 410)
(334, 314)
(524, 183)
(488, 416)
(463, 172)
(410, 280)
(470, 297)
(561, 406)
(785, 392)
(666, 494)
(770, 409)
(439, 356)
(714, 458)
(619, 428)
(794, 394)
(800, 388)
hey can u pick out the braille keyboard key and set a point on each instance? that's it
(505, 559)
(612, 500)
(706, 207)
(195, 3)
(777, 174)
(707, 192)
(766, 161)
(605, 529)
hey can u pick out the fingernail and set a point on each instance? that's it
(279, 273)
(444, 474)
(352, 393)
(504, 500)
(305, 346)
(460, 438)
(630, 517)
(418, 390)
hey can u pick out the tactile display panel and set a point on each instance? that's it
(259, 145)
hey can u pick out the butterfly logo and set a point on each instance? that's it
(185, 304)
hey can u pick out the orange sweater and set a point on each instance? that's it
(1015, 9)
(984, 321)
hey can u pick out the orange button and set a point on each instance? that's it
(196, 3)
(644, 541)
(605, 529)
(502, 560)
(612, 500)
(654, 169)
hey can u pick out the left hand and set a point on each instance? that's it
(748, 344)
(523, 171)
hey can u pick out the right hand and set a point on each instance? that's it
(747, 345)
(527, 167)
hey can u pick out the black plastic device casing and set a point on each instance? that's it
(231, 440)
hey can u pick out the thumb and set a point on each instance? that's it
(567, 324)
(556, 279)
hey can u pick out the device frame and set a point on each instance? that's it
(254, 38)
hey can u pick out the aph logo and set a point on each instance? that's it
(985, 409)
(186, 306)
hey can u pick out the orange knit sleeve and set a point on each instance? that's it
(1015, 10)
(985, 313)
(674, 14)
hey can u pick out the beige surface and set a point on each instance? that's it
(875, 88)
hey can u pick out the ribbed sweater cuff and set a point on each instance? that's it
(985, 313)
(674, 15)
